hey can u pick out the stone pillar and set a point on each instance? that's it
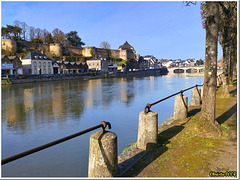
(218, 81)
(103, 157)
(180, 107)
(202, 91)
(196, 97)
(147, 130)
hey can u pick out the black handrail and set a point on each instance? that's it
(148, 106)
(103, 125)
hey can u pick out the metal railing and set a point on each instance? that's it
(148, 106)
(103, 125)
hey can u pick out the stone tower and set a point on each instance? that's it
(9, 45)
(56, 49)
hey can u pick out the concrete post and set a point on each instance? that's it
(202, 91)
(196, 97)
(218, 82)
(103, 157)
(147, 130)
(180, 107)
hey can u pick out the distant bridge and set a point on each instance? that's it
(185, 70)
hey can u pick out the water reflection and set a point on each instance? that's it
(37, 113)
(52, 102)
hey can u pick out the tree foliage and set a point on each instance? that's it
(21, 31)
(74, 39)
(59, 37)
(11, 32)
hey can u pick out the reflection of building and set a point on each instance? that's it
(94, 92)
(37, 63)
(11, 65)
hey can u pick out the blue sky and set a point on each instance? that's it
(165, 29)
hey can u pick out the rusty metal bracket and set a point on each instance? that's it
(147, 108)
(181, 92)
(105, 124)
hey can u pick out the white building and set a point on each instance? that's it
(98, 64)
(37, 63)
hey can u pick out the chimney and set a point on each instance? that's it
(20, 57)
(42, 51)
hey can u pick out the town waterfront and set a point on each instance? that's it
(37, 113)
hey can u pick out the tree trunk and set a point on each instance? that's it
(225, 88)
(210, 74)
(235, 58)
(230, 68)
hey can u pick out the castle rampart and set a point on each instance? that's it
(57, 50)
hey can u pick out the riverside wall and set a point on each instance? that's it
(41, 78)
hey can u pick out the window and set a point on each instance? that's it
(16, 65)
(35, 71)
(44, 64)
(48, 64)
(35, 64)
(39, 64)
(44, 71)
(49, 71)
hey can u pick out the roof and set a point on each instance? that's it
(36, 56)
(126, 45)
(2, 56)
(12, 57)
(96, 58)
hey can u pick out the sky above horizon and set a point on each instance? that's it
(164, 29)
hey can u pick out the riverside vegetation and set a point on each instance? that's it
(190, 148)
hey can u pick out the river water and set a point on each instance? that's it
(37, 113)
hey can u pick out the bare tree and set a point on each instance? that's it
(24, 27)
(105, 45)
(44, 35)
(31, 32)
(38, 33)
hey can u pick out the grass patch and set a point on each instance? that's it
(130, 146)
(187, 147)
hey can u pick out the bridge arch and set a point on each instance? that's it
(178, 70)
(191, 70)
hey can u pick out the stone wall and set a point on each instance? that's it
(123, 54)
(115, 53)
(71, 50)
(101, 52)
(9, 45)
(86, 51)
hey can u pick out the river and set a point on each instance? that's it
(37, 113)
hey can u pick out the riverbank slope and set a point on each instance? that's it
(188, 149)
